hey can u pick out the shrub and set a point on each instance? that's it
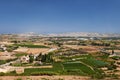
(2, 74)
(18, 79)
(44, 73)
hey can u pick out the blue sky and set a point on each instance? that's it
(56, 16)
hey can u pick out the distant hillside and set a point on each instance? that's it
(71, 34)
(83, 34)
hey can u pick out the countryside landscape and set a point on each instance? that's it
(34, 55)
(59, 39)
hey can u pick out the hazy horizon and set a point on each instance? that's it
(59, 16)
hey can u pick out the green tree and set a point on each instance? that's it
(31, 58)
(47, 58)
(112, 51)
(38, 58)
(43, 58)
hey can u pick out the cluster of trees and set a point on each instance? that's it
(57, 43)
(45, 58)
(100, 44)
(15, 41)
(112, 66)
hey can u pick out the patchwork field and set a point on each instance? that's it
(86, 48)
(63, 61)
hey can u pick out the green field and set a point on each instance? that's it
(68, 68)
(77, 66)
(94, 62)
(57, 69)
(6, 61)
(20, 54)
(84, 65)
(31, 46)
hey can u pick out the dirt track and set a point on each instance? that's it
(44, 78)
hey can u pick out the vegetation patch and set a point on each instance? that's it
(94, 62)
(72, 66)
(57, 68)
(20, 54)
(31, 46)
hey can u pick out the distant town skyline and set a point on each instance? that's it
(59, 16)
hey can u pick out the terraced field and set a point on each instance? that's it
(78, 67)
(94, 63)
